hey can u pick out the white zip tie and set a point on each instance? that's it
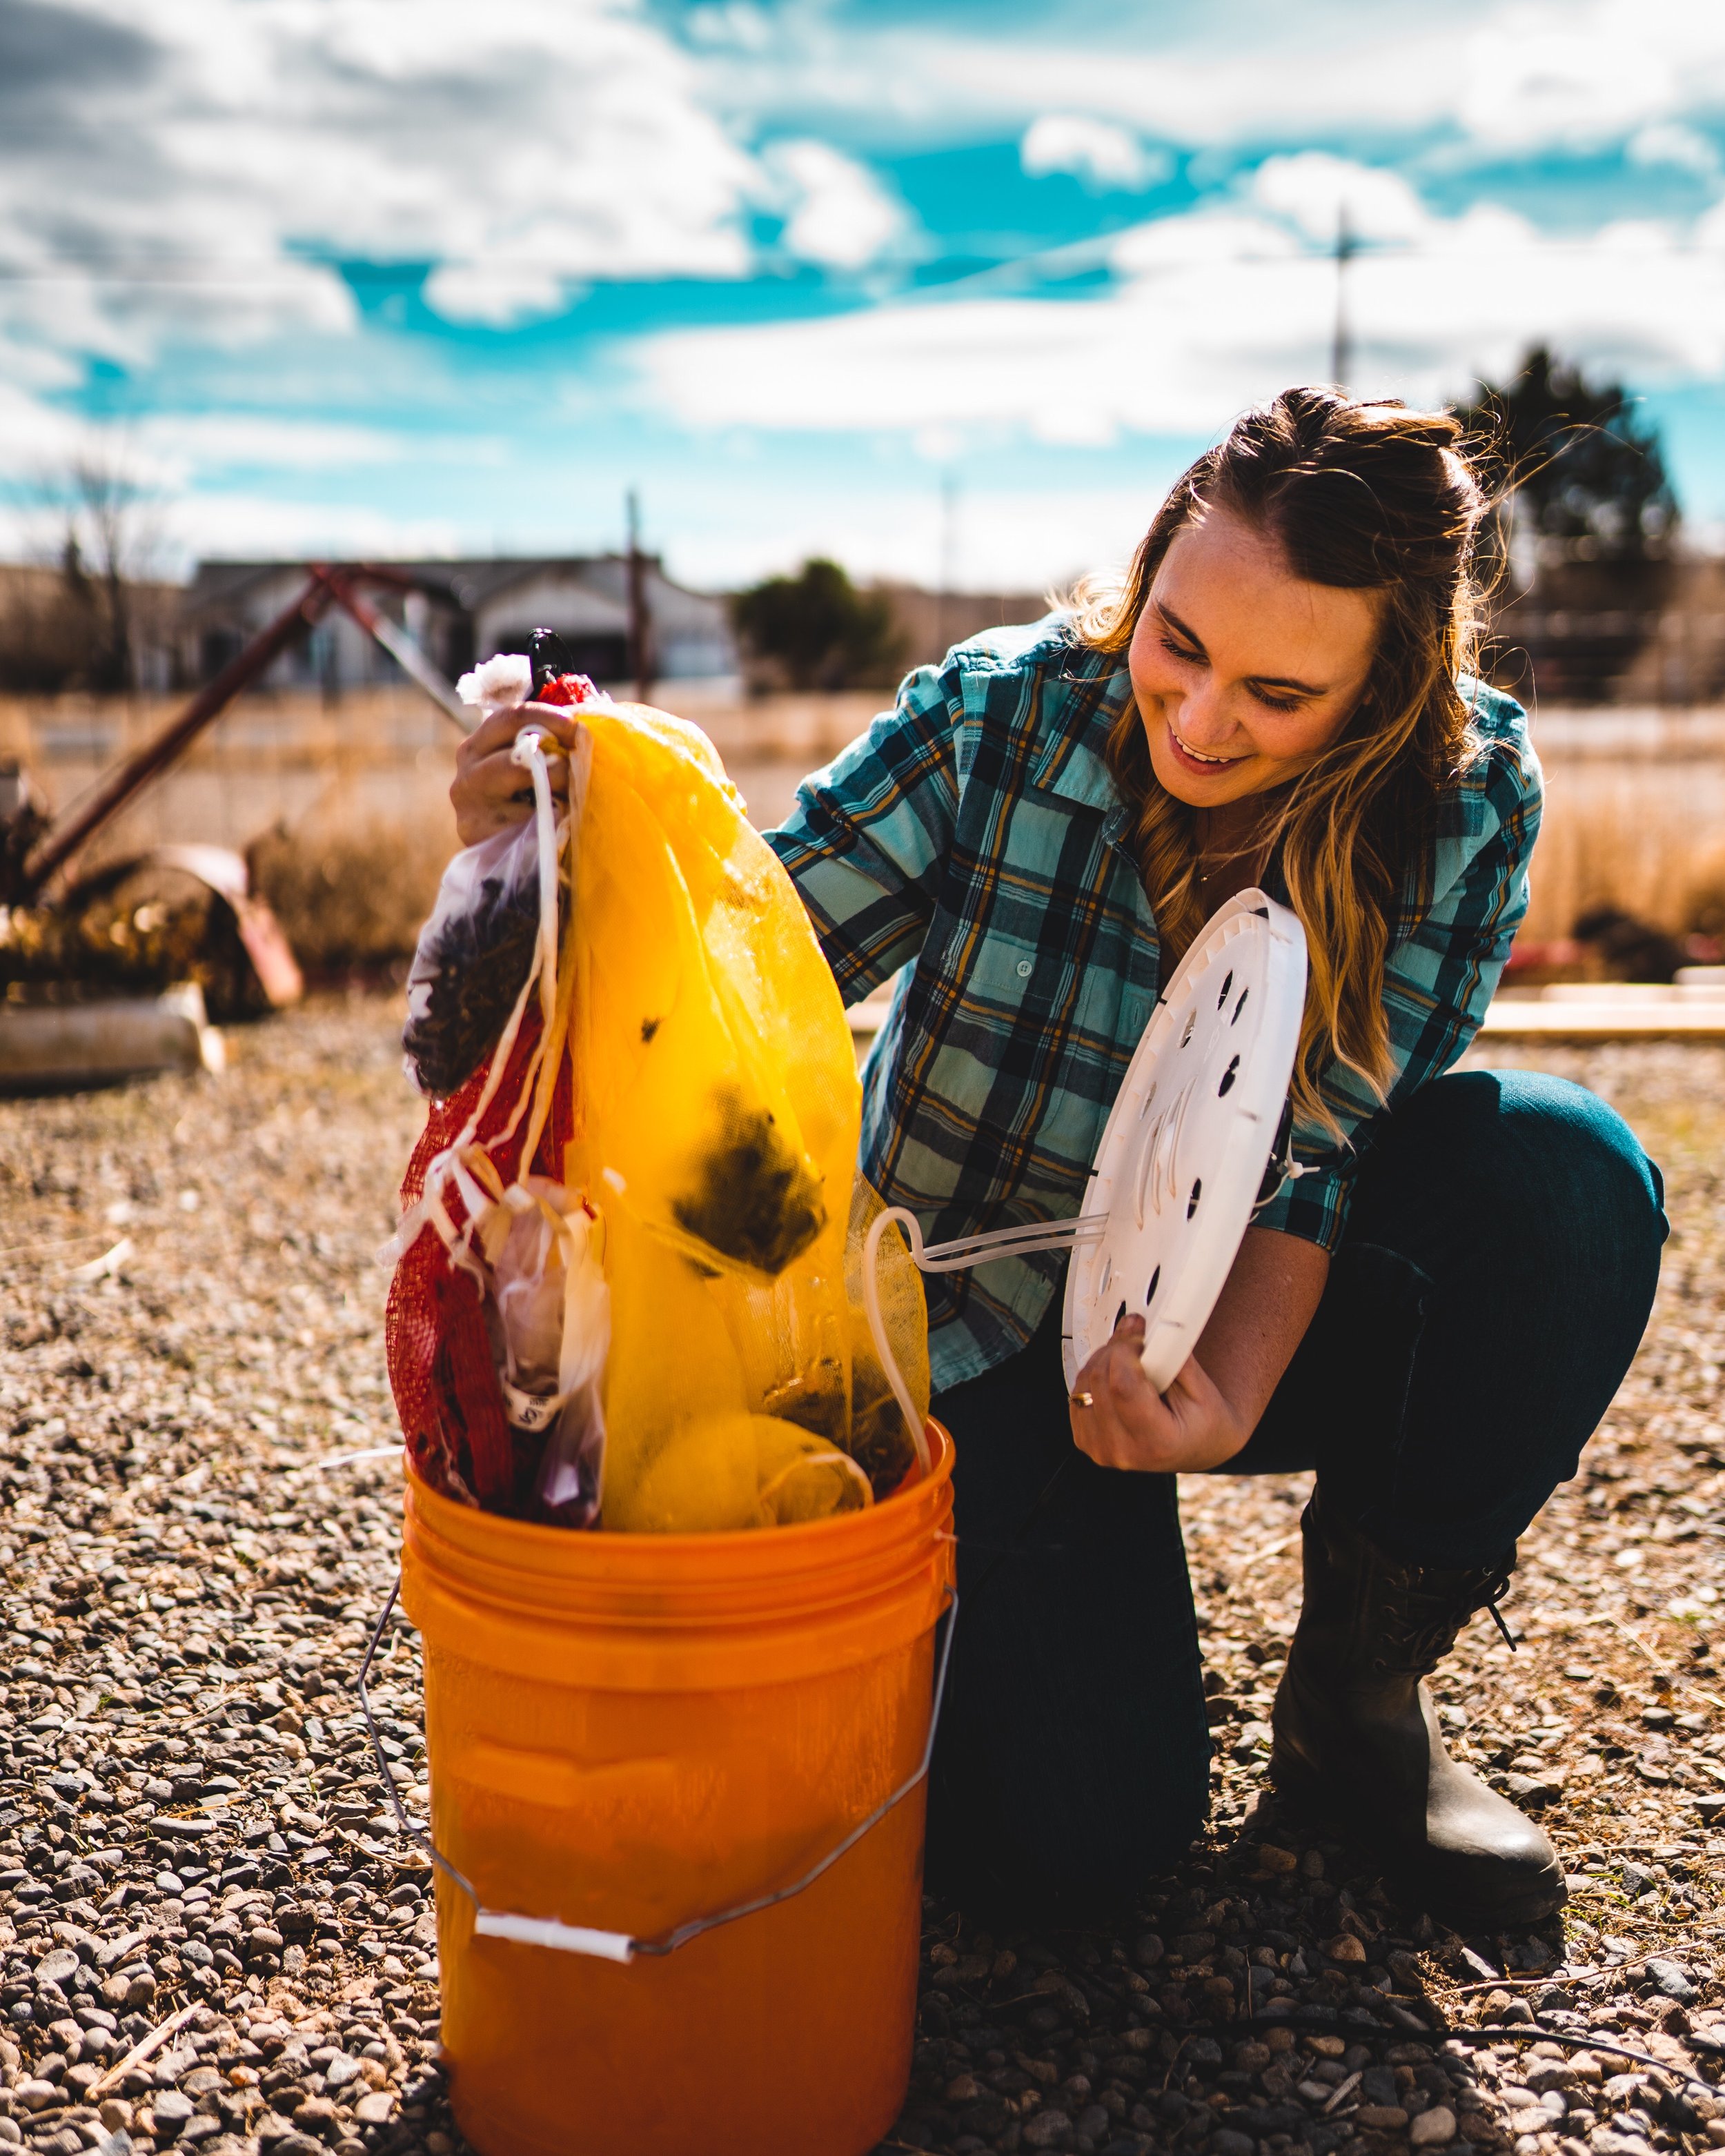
(547, 1932)
(347, 1458)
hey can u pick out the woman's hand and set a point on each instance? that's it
(1211, 1407)
(1128, 1423)
(489, 791)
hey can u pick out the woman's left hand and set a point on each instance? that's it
(1273, 1288)
(1128, 1423)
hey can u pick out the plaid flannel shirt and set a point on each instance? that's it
(975, 838)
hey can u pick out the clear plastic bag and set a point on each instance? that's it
(548, 1312)
(476, 951)
(472, 956)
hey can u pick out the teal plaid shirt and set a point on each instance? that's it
(974, 837)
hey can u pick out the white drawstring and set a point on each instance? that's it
(529, 752)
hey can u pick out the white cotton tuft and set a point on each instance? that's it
(505, 680)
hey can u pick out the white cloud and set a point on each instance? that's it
(184, 444)
(1583, 74)
(1505, 76)
(1214, 309)
(174, 173)
(170, 458)
(215, 527)
(1094, 150)
(183, 158)
(1180, 72)
(174, 168)
(248, 527)
(737, 26)
(1313, 190)
(35, 437)
(497, 294)
(1008, 538)
(840, 216)
(1669, 142)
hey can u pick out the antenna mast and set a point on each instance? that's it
(640, 619)
(1342, 343)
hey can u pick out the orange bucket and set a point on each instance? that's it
(629, 1732)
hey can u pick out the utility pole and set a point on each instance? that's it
(948, 570)
(1341, 348)
(640, 618)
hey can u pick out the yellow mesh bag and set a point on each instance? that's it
(717, 1109)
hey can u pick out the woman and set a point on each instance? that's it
(1434, 1314)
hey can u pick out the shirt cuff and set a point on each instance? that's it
(1313, 1206)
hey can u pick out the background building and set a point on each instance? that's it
(460, 613)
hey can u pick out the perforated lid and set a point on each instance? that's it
(1187, 1141)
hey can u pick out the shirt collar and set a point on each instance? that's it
(1083, 695)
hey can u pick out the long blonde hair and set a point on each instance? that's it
(1365, 497)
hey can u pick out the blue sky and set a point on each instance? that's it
(355, 275)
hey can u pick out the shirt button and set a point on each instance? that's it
(1024, 969)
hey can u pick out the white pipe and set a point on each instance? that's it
(955, 1256)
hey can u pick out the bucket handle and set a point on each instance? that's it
(621, 1946)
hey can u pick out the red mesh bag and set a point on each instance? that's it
(441, 1349)
(442, 1369)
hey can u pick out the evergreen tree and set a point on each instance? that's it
(1577, 466)
(816, 630)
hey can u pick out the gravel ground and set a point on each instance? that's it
(192, 1854)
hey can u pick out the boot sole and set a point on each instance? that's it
(1419, 1881)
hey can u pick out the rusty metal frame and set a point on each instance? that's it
(327, 585)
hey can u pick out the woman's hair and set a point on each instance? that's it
(1365, 497)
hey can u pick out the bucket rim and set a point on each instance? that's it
(802, 1536)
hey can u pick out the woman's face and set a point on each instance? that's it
(1243, 671)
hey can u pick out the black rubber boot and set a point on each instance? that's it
(1357, 1741)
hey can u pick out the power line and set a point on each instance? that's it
(211, 269)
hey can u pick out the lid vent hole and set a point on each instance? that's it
(1192, 1202)
(1227, 987)
(1155, 1281)
(1228, 1078)
(1239, 1006)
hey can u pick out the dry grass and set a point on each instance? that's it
(1644, 849)
(1634, 818)
(353, 897)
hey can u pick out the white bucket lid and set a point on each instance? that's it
(1187, 1142)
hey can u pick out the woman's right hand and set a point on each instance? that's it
(490, 791)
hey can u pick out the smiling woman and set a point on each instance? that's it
(1345, 674)
(1277, 693)
(1239, 727)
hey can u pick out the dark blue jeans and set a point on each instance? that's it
(1497, 1271)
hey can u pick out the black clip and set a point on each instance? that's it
(551, 656)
